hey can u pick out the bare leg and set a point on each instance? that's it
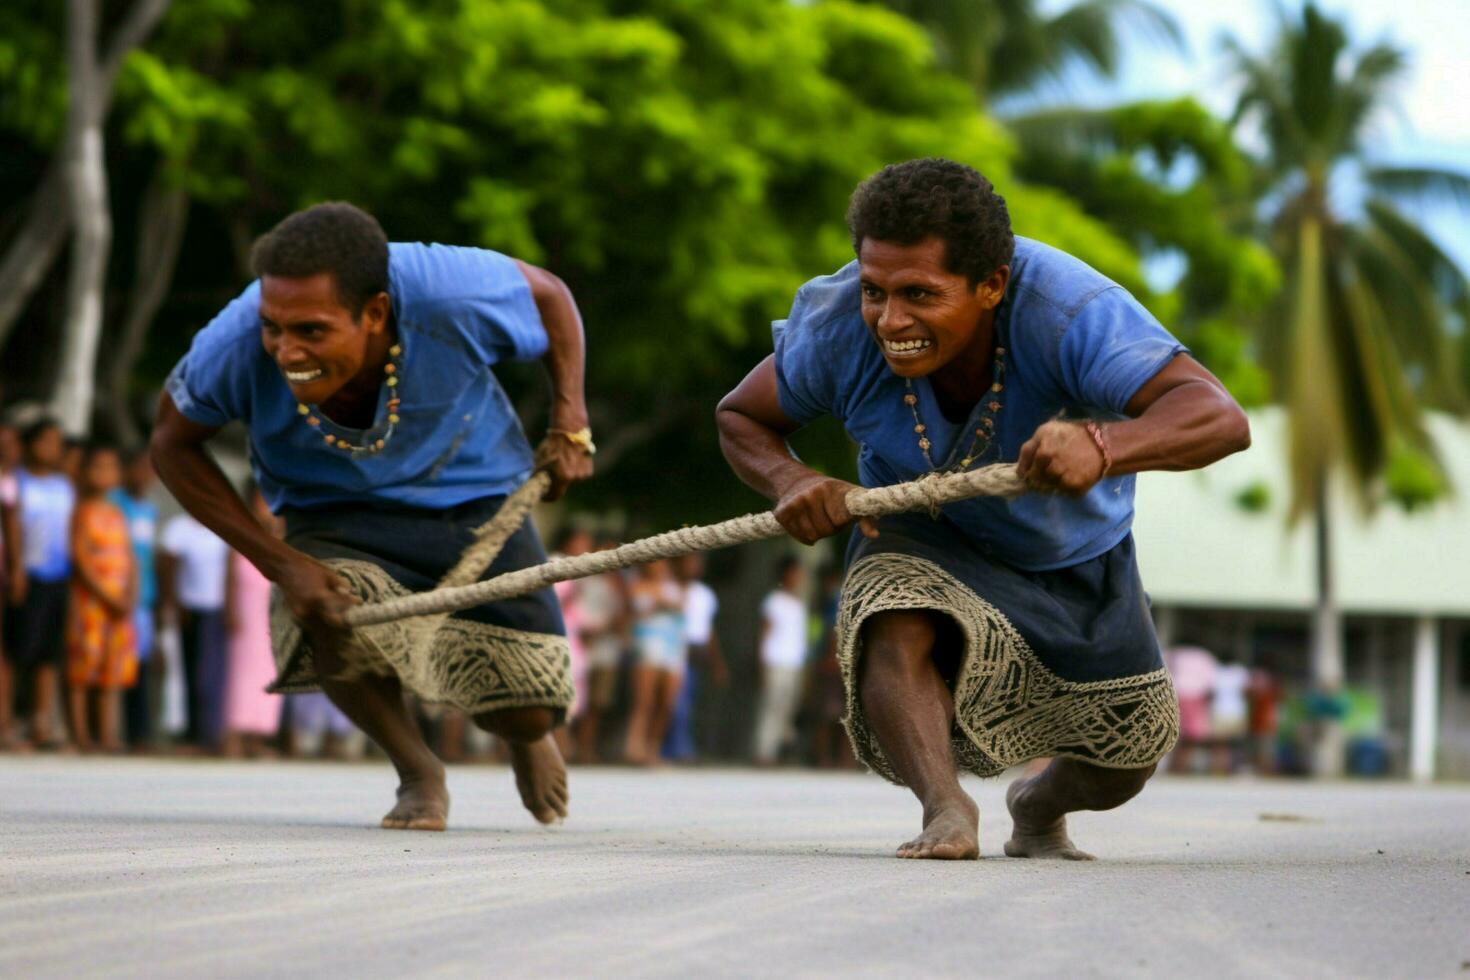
(107, 715)
(376, 705)
(7, 721)
(911, 711)
(587, 729)
(45, 695)
(1039, 805)
(645, 683)
(451, 736)
(666, 688)
(77, 710)
(541, 775)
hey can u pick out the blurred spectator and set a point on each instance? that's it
(318, 727)
(1264, 697)
(657, 601)
(72, 453)
(830, 747)
(143, 698)
(193, 565)
(39, 593)
(251, 714)
(10, 451)
(1229, 714)
(783, 656)
(603, 616)
(571, 543)
(101, 660)
(1193, 669)
(11, 570)
(706, 664)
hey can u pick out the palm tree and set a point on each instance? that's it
(1362, 336)
(1006, 46)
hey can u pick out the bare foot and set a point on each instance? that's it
(423, 804)
(1033, 836)
(541, 777)
(951, 833)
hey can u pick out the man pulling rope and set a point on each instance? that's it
(995, 632)
(362, 373)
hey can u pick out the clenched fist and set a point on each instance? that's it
(1061, 458)
(816, 507)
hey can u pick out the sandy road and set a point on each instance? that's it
(150, 868)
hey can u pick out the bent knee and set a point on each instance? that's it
(518, 724)
(1114, 787)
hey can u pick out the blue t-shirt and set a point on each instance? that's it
(458, 311)
(46, 504)
(142, 518)
(1075, 341)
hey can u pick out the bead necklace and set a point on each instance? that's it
(985, 428)
(372, 445)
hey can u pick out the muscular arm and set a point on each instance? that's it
(566, 360)
(197, 482)
(313, 592)
(753, 431)
(1181, 419)
(14, 552)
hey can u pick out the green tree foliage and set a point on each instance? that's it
(1169, 178)
(683, 165)
(1003, 47)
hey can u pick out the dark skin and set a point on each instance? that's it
(335, 360)
(930, 321)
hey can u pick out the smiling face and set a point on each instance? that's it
(922, 315)
(319, 346)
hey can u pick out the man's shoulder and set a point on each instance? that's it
(828, 304)
(426, 274)
(1048, 282)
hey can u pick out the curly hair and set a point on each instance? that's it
(336, 238)
(908, 202)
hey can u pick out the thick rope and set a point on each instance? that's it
(927, 493)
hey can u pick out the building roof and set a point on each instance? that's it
(1198, 546)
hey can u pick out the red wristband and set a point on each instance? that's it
(1096, 431)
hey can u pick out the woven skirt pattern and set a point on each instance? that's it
(508, 654)
(1009, 707)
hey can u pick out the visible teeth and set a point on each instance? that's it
(903, 346)
(301, 377)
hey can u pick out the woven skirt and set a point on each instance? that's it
(507, 654)
(1062, 663)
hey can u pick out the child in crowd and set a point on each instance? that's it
(38, 594)
(142, 699)
(251, 714)
(101, 659)
(657, 599)
(10, 565)
(783, 661)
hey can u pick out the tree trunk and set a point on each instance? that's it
(35, 247)
(162, 219)
(1327, 655)
(86, 176)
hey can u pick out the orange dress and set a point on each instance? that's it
(101, 649)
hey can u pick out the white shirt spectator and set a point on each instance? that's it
(784, 641)
(201, 556)
(700, 606)
(1231, 681)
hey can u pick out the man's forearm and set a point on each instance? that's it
(566, 357)
(194, 478)
(758, 454)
